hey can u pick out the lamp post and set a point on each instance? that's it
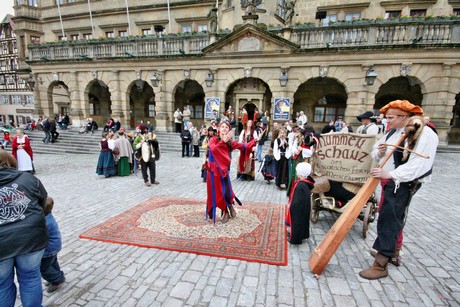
(283, 78)
(371, 75)
(209, 79)
(31, 81)
(154, 80)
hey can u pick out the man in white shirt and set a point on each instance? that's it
(401, 176)
(367, 127)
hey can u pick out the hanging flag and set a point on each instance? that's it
(127, 14)
(91, 18)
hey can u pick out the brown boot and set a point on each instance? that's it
(395, 260)
(225, 218)
(232, 212)
(378, 269)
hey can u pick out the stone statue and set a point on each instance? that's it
(212, 16)
(250, 6)
(289, 11)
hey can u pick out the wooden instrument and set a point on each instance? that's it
(327, 248)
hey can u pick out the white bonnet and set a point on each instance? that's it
(303, 169)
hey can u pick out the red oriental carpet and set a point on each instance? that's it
(257, 234)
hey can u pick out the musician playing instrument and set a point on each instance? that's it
(401, 176)
(146, 145)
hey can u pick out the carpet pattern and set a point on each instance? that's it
(257, 234)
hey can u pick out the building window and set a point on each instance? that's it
(202, 28)
(456, 12)
(329, 20)
(186, 28)
(59, 2)
(35, 40)
(199, 111)
(33, 3)
(280, 9)
(16, 99)
(392, 14)
(4, 99)
(109, 34)
(418, 13)
(329, 108)
(146, 32)
(30, 99)
(74, 37)
(71, 1)
(87, 35)
(151, 110)
(352, 16)
(123, 33)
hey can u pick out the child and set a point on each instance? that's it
(49, 267)
(299, 205)
(269, 166)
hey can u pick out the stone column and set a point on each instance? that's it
(117, 103)
(77, 102)
(163, 105)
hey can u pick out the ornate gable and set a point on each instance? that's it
(252, 39)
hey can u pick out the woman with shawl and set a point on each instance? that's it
(219, 188)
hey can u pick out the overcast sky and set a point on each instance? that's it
(6, 7)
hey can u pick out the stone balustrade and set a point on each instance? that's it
(364, 34)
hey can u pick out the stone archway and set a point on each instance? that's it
(322, 99)
(99, 103)
(454, 133)
(141, 103)
(404, 88)
(250, 93)
(59, 98)
(190, 93)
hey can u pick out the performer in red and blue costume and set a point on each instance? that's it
(220, 191)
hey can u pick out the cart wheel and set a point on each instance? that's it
(314, 215)
(367, 218)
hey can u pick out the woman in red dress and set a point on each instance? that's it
(220, 191)
(246, 165)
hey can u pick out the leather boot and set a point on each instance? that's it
(225, 217)
(395, 260)
(232, 212)
(378, 269)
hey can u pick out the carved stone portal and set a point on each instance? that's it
(249, 44)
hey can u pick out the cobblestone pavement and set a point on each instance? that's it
(104, 274)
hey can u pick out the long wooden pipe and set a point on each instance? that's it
(331, 242)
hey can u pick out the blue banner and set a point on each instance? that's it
(282, 108)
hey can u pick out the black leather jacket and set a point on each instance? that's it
(22, 221)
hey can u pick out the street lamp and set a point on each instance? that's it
(154, 80)
(31, 81)
(371, 75)
(283, 78)
(209, 79)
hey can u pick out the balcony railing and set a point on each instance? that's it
(368, 34)
(27, 11)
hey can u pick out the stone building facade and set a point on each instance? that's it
(142, 61)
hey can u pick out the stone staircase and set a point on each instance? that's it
(71, 142)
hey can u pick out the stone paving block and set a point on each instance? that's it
(438, 272)
(338, 287)
(247, 296)
(194, 298)
(172, 302)
(208, 293)
(139, 292)
(253, 269)
(393, 293)
(117, 283)
(217, 301)
(285, 295)
(224, 287)
(250, 281)
(202, 282)
(191, 276)
(182, 290)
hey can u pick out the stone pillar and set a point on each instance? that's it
(163, 103)
(77, 102)
(117, 103)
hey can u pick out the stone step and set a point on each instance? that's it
(71, 141)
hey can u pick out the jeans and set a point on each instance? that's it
(259, 152)
(30, 280)
(51, 271)
(47, 138)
